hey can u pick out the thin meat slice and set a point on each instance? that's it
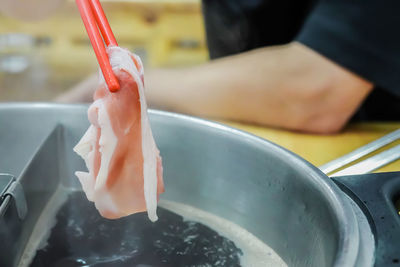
(124, 166)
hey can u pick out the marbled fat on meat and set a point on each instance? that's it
(124, 166)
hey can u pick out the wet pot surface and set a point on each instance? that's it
(272, 193)
(81, 237)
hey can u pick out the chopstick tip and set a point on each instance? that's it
(113, 86)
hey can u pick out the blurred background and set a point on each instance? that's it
(40, 59)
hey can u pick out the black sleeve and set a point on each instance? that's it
(360, 35)
(235, 26)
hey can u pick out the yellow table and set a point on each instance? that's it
(320, 149)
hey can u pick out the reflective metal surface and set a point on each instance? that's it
(360, 152)
(373, 163)
(285, 201)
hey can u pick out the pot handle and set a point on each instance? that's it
(377, 195)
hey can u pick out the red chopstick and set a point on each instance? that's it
(89, 21)
(102, 22)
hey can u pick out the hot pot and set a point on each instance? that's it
(305, 216)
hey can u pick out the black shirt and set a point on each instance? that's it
(360, 35)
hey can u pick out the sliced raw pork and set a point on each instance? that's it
(125, 171)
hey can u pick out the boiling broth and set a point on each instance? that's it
(183, 236)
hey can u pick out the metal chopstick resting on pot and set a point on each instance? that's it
(370, 164)
(93, 16)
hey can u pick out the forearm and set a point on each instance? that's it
(231, 88)
(287, 86)
(278, 86)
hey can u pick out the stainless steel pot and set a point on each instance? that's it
(276, 195)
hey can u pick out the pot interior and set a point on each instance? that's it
(281, 199)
